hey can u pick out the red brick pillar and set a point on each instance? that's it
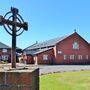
(19, 79)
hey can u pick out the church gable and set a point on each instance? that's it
(72, 48)
(74, 41)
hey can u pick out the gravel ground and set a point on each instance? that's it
(61, 68)
(45, 69)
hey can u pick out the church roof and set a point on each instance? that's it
(2, 45)
(47, 43)
(34, 52)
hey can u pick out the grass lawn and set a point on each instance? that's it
(79, 80)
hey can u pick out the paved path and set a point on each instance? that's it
(62, 68)
(45, 69)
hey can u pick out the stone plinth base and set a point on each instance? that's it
(25, 79)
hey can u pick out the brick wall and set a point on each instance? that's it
(66, 47)
(19, 80)
(30, 59)
(50, 54)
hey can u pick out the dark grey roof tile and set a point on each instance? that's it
(47, 43)
(2, 45)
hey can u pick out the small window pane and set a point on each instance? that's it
(65, 57)
(4, 57)
(75, 45)
(59, 52)
(4, 50)
(71, 57)
(80, 57)
(45, 57)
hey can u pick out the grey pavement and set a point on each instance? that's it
(45, 69)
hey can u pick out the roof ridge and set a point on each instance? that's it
(46, 43)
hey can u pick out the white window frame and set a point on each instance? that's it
(75, 45)
(80, 57)
(59, 52)
(45, 57)
(72, 57)
(64, 57)
(4, 50)
(5, 57)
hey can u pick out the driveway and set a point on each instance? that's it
(45, 69)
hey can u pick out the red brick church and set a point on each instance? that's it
(5, 52)
(70, 49)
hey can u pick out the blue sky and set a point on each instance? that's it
(48, 19)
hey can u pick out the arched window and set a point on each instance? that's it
(75, 45)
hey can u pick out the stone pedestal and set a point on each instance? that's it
(24, 79)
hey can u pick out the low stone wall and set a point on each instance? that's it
(26, 79)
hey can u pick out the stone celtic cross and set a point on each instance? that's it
(14, 25)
